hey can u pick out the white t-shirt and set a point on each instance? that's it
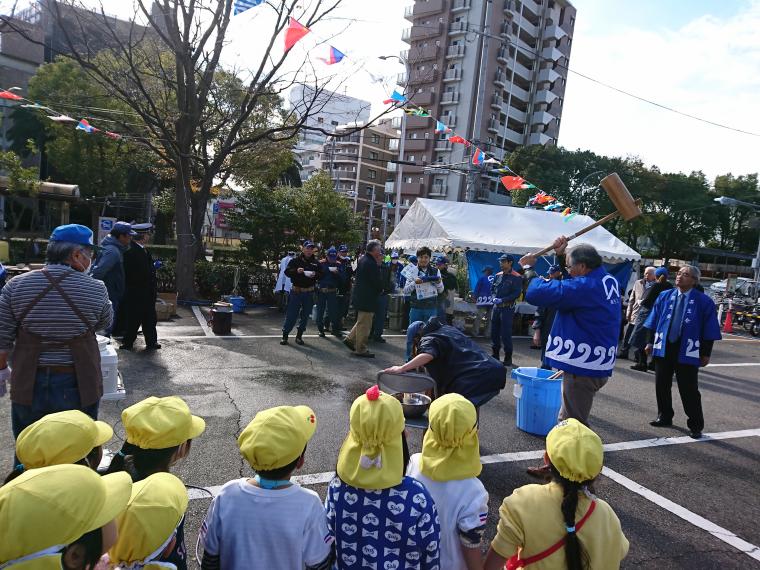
(249, 527)
(462, 506)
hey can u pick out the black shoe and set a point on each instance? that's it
(155, 346)
(284, 340)
(380, 339)
(299, 339)
(367, 354)
(695, 435)
(508, 363)
(126, 347)
(349, 344)
(639, 367)
(651, 366)
(338, 335)
(496, 354)
(322, 334)
(660, 422)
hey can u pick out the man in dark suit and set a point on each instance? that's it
(367, 290)
(140, 297)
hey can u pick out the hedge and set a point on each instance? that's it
(213, 280)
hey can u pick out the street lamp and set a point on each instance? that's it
(726, 201)
(582, 191)
(399, 170)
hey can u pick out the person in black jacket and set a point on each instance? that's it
(344, 290)
(327, 292)
(304, 272)
(367, 290)
(388, 273)
(139, 302)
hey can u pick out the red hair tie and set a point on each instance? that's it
(373, 393)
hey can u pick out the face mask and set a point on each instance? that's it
(78, 265)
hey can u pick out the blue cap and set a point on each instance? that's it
(660, 271)
(442, 260)
(554, 269)
(308, 243)
(343, 248)
(412, 259)
(332, 252)
(505, 257)
(73, 233)
(123, 228)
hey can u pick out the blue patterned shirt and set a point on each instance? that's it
(388, 529)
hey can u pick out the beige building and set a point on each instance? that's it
(359, 164)
(495, 72)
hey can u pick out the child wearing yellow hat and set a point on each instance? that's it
(267, 521)
(148, 526)
(59, 516)
(449, 466)
(60, 438)
(380, 518)
(560, 525)
(159, 434)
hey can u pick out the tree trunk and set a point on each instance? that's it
(185, 268)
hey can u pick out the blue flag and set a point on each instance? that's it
(243, 5)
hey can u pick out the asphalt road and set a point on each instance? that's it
(665, 495)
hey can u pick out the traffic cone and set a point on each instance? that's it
(728, 325)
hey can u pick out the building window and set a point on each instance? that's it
(373, 155)
(375, 139)
(334, 123)
(372, 174)
(408, 179)
(410, 157)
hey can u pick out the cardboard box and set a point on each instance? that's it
(163, 310)
(170, 299)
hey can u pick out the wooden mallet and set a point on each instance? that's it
(621, 198)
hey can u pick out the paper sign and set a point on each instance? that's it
(410, 272)
(104, 227)
(426, 291)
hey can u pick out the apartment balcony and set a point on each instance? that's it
(417, 54)
(450, 98)
(423, 99)
(544, 96)
(417, 168)
(513, 136)
(502, 56)
(554, 32)
(449, 120)
(413, 123)
(551, 54)
(542, 118)
(421, 32)
(351, 158)
(532, 6)
(539, 138)
(415, 145)
(343, 174)
(548, 75)
(402, 79)
(390, 187)
(409, 13)
(457, 28)
(438, 191)
(455, 52)
(517, 114)
(423, 8)
(452, 75)
(529, 28)
(522, 71)
(442, 145)
(500, 79)
(460, 5)
(519, 93)
(391, 167)
(493, 126)
(422, 76)
(411, 188)
(497, 101)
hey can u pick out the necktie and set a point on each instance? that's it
(675, 321)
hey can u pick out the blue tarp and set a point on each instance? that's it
(478, 260)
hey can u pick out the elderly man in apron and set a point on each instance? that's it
(48, 320)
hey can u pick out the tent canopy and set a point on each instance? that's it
(446, 226)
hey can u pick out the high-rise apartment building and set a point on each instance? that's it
(326, 111)
(359, 163)
(492, 70)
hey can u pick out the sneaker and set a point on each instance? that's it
(153, 347)
(639, 367)
(299, 340)
(284, 340)
(322, 334)
(695, 435)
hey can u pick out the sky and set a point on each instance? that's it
(701, 57)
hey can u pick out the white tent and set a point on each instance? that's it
(445, 226)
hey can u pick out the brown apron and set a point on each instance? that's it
(84, 352)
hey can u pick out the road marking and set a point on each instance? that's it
(325, 477)
(734, 364)
(718, 532)
(201, 321)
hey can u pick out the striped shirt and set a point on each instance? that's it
(52, 316)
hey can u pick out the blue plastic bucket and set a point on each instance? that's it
(538, 399)
(238, 304)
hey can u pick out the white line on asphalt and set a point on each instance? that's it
(277, 336)
(201, 321)
(717, 531)
(317, 478)
(734, 364)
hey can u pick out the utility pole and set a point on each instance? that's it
(371, 215)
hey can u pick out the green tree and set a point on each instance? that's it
(734, 226)
(19, 181)
(324, 215)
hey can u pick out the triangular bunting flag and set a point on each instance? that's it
(10, 95)
(512, 182)
(478, 157)
(421, 113)
(441, 128)
(459, 140)
(295, 32)
(243, 5)
(395, 97)
(63, 119)
(85, 126)
(114, 136)
(334, 56)
(492, 160)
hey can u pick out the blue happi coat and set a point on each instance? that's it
(584, 336)
(700, 323)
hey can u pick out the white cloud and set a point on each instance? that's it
(708, 68)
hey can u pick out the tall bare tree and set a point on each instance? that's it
(163, 67)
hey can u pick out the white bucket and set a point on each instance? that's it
(113, 387)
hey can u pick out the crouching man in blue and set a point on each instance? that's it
(506, 288)
(584, 336)
(682, 328)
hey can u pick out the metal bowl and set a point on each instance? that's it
(413, 404)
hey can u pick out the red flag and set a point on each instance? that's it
(9, 95)
(512, 182)
(295, 32)
(114, 136)
(460, 140)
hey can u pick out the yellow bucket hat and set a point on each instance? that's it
(575, 451)
(372, 456)
(46, 509)
(276, 437)
(60, 438)
(158, 423)
(147, 526)
(450, 448)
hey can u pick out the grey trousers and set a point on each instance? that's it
(577, 396)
